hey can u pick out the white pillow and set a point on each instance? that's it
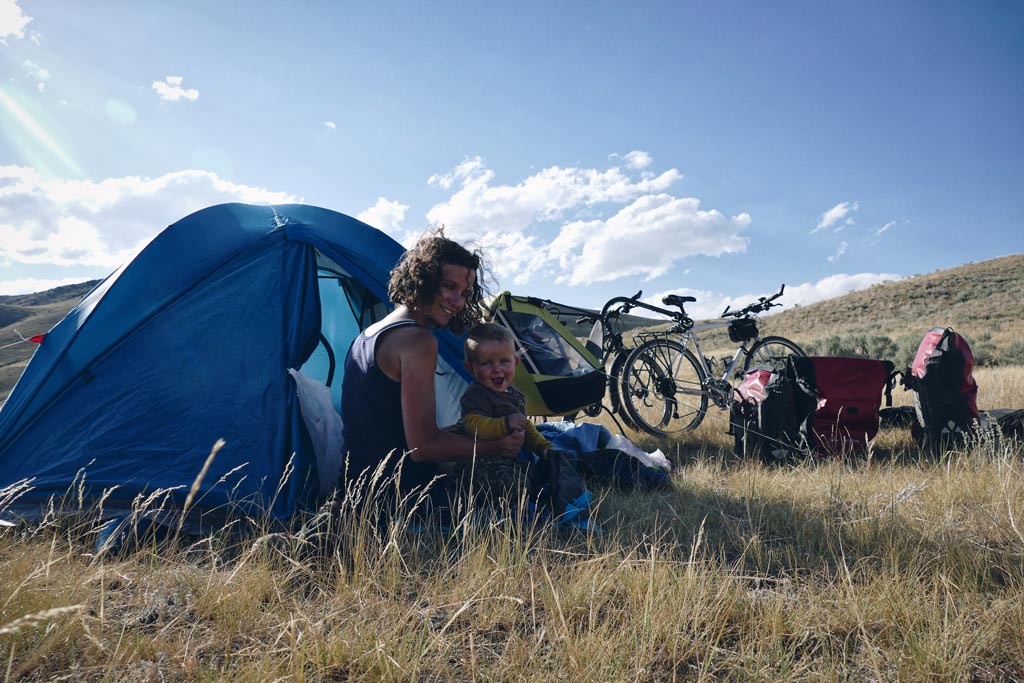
(324, 425)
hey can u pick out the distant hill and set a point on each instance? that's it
(28, 315)
(888, 320)
(982, 301)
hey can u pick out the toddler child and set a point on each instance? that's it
(493, 408)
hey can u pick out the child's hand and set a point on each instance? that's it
(516, 422)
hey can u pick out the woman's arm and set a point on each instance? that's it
(415, 350)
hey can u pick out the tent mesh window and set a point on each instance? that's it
(346, 308)
(551, 353)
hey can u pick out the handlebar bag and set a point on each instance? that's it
(743, 329)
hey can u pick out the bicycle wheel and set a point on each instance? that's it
(663, 388)
(772, 352)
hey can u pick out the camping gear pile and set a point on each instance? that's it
(827, 406)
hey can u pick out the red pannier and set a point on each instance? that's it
(847, 395)
(751, 389)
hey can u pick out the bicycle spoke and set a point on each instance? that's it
(772, 352)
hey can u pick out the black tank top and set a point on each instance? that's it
(371, 412)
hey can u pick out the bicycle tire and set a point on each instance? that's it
(614, 382)
(771, 351)
(663, 388)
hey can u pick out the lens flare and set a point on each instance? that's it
(12, 110)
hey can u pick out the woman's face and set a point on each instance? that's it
(457, 284)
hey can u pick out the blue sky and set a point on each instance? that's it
(590, 148)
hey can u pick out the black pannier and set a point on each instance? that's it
(763, 418)
(945, 393)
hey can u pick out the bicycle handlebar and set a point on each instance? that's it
(627, 303)
(763, 303)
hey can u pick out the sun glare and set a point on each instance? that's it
(12, 110)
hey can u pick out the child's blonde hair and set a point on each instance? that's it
(484, 332)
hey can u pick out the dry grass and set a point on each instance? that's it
(888, 567)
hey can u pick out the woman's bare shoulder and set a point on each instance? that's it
(405, 346)
(409, 335)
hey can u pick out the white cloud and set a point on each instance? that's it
(635, 160)
(645, 238)
(385, 215)
(836, 214)
(479, 207)
(709, 305)
(170, 89)
(330, 125)
(104, 223)
(12, 20)
(884, 228)
(469, 168)
(833, 286)
(839, 252)
(29, 285)
(638, 160)
(611, 223)
(34, 71)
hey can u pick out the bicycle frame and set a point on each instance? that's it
(719, 388)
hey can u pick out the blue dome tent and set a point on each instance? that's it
(189, 343)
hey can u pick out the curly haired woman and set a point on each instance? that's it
(388, 401)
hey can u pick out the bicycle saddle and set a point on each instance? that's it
(676, 300)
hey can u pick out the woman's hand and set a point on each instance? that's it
(508, 446)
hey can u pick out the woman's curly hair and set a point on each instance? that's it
(416, 280)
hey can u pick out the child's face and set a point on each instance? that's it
(493, 364)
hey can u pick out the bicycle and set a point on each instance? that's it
(666, 387)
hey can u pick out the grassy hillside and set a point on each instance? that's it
(28, 315)
(980, 300)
